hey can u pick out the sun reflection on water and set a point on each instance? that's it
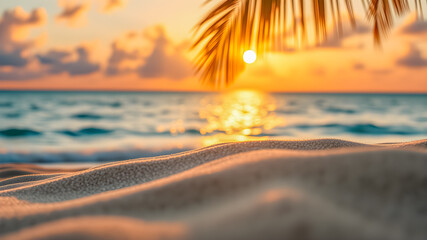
(238, 116)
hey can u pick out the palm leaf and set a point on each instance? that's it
(233, 26)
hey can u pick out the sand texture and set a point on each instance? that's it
(315, 189)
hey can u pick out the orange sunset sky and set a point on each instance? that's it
(144, 45)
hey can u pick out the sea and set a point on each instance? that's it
(76, 127)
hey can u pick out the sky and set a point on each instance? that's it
(143, 45)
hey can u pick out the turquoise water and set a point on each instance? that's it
(106, 126)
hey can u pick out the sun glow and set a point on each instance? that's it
(249, 56)
(239, 116)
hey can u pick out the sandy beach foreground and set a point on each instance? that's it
(316, 189)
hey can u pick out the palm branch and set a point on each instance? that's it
(234, 26)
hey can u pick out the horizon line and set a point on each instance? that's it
(202, 91)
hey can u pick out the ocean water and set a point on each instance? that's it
(47, 127)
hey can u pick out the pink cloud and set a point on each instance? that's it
(59, 61)
(166, 60)
(414, 26)
(413, 59)
(15, 25)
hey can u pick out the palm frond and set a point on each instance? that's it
(234, 26)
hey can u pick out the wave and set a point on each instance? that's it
(34, 107)
(289, 111)
(421, 119)
(149, 115)
(358, 129)
(188, 131)
(98, 156)
(364, 128)
(147, 103)
(6, 104)
(373, 129)
(331, 128)
(340, 110)
(115, 104)
(86, 132)
(94, 131)
(87, 116)
(93, 116)
(19, 132)
(111, 104)
(192, 131)
(12, 115)
(67, 103)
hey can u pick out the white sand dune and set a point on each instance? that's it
(317, 189)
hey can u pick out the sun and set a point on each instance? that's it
(249, 56)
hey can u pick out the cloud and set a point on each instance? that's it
(75, 62)
(53, 56)
(14, 29)
(118, 57)
(111, 5)
(12, 58)
(73, 14)
(413, 59)
(61, 61)
(165, 60)
(414, 26)
(336, 41)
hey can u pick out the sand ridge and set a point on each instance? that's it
(314, 189)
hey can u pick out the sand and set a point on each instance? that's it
(317, 189)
